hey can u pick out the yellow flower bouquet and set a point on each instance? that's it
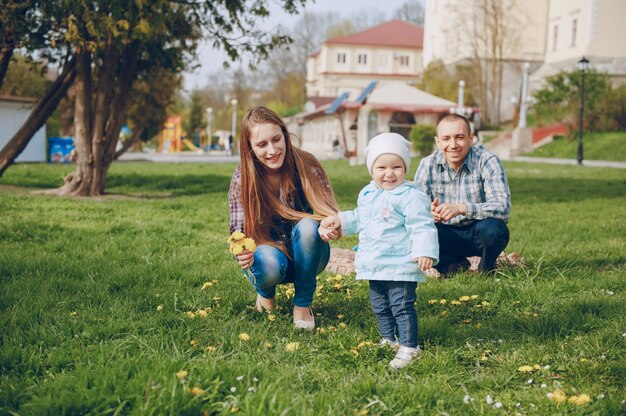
(238, 243)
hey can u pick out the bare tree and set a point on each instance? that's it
(411, 11)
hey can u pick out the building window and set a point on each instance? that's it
(404, 60)
(555, 37)
(383, 60)
(574, 32)
(341, 58)
(362, 59)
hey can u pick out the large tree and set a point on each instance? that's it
(108, 43)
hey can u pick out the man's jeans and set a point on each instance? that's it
(485, 238)
(309, 256)
(393, 304)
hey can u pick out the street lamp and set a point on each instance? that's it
(233, 129)
(583, 64)
(209, 120)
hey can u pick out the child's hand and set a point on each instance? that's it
(328, 229)
(424, 263)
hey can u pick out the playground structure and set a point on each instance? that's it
(173, 139)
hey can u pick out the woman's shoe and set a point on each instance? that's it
(405, 356)
(260, 307)
(302, 324)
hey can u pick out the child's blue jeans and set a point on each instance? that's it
(393, 304)
(309, 256)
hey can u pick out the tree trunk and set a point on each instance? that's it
(37, 118)
(6, 52)
(98, 117)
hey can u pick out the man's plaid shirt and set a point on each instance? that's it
(236, 206)
(480, 183)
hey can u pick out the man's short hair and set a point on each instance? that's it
(454, 117)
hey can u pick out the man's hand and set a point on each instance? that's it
(445, 212)
(329, 228)
(424, 263)
(245, 259)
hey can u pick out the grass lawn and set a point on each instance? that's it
(96, 298)
(596, 146)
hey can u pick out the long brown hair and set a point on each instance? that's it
(259, 203)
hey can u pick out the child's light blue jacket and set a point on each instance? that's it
(395, 226)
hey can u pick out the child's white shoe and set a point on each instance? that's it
(386, 342)
(405, 356)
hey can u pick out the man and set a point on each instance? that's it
(470, 197)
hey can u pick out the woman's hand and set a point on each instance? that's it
(245, 259)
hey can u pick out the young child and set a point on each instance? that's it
(397, 241)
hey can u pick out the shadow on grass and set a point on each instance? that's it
(165, 186)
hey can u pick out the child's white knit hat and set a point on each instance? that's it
(392, 143)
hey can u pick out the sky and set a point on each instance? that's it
(210, 60)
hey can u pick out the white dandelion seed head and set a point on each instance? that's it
(530, 381)
(601, 396)
(239, 378)
(544, 385)
(488, 399)
(497, 405)
(233, 389)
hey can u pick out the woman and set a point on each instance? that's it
(277, 196)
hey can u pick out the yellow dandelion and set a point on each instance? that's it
(236, 248)
(202, 313)
(443, 314)
(342, 325)
(579, 400)
(474, 297)
(190, 314)
(271, 317)
(206, 285)
(267, 345)
(193, 342)
(292, 346)
(210, 348)
(432, 301)
(234, 409)
(467, 321)
(332, 328)
(194, 391)
(557, 396)
(160, 308)
(249, 244)
(455, 302)
(321, 330)
(182, 374)
(290, 292)
(536, 367)
(443, 301)
(464, 298)
(354, 352)
(485, 303)
(244, 337)
(236, 236)
(73, 313)
(341, 316)
(478, 325)
(583, 360)
(484, 358)
(525, 369)
(364, 412)
(207, 309)
(363, 344)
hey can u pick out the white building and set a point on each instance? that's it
(391, 51)
(13, 113)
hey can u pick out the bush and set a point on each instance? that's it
(423, 138)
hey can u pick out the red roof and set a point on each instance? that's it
(396, 33)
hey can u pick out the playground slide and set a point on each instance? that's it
(191, 146)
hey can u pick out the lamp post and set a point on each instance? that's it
(524, 104)
(209, 120)
(233, 129)
(583, 64)
(461, 98)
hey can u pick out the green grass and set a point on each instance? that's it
(81, 280)
(596, 146)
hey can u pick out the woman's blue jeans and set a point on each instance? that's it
(393, 304)
(309, 256)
